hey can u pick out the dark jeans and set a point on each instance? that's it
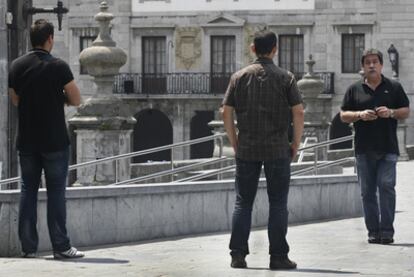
(247, 178)
(378, 172)
(55, 165)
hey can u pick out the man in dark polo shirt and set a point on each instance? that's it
(262, 96)
(40, 85)
(374, 105)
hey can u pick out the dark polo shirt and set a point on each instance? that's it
(38, 79)
(379, 135)
(262, 95)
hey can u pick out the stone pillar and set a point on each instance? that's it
(218, 128)
(103, 125)
(317, 107)
(401, 135)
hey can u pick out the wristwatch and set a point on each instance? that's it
(391, 113)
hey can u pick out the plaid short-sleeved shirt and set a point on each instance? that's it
(262, 95)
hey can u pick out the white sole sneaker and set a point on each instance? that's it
(72, 253)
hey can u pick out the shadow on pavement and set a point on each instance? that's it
(402, 244)
(315, 270)
(92, 260)
(307, 270)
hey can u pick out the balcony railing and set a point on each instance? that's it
(187, 83)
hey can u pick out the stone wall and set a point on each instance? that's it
(107, 215)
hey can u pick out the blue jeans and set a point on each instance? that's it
(378, 172)
(55, 165)
(277, 174)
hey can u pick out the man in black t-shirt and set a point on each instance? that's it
(374, 105)
(40, 85)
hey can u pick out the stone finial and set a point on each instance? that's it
(310, 85)
(104, 19)
(103, 58)
(310, 64)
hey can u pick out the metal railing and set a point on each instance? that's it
(217, 172)
(190, 83)
(116, 158)
(171, 83)
(314, 168)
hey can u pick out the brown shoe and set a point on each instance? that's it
(281, 263)
(238, 261)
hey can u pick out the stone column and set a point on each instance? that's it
(218, 127)
(317, 107)
(401, 133)
(103, 125)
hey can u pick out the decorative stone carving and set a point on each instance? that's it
(188, 48)
(317, 107)
(103, 58)
(103, 124)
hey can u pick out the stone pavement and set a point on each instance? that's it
(334, 248)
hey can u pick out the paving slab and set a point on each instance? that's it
(332, 248)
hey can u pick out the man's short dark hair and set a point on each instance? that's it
(40, 32)
(264, 42)
(372, 51)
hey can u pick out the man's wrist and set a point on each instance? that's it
(392, 113)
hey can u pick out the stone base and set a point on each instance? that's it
(97, 144)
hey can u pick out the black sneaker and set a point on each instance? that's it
(238, 261)
(281, 263)
(71, 253)
(374, 239)
(387, 240)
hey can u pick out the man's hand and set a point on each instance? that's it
(368, 115)
(14, 97)
(228, 119)
(383, 112)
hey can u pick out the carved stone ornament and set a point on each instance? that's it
(188, 46)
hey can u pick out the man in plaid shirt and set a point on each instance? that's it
(262, 95)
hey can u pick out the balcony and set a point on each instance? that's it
(188, 83)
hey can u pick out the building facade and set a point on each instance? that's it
(181, 53)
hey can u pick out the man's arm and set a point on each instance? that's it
(14, 97)
(298, 118)
(73, 97)
(353, 116)
(400, 113)
(227, 114)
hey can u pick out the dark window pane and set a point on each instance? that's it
(291, 53)
(223, 62)
(352, 47)
(223, 54)
(154, 65)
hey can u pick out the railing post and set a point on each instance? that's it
(116, 171)
(315, 160)
(221, 146)
(172, 164)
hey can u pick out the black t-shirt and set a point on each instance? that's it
(38, 79)
(379, 135)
